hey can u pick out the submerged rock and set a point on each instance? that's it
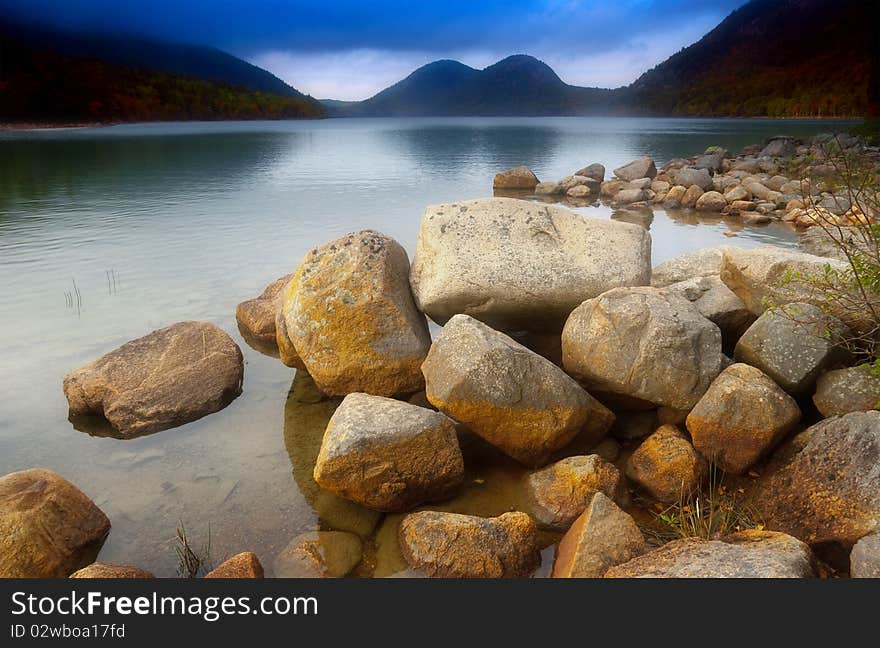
(351, 317)
(518, 265)
(741, 417)
(257, 316)
(825, 489)
(319, 554)
(48, 527)
(520, 177)
(450, 545)
(510, 396)
(167, 378)
(645, 343)
(854, 389)
(747, 554)
(601, 537)
(388, 455)
(242, 565)
(559, 493)
(793, 345)
(667, 466)
(111, 570)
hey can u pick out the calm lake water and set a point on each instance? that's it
(107, 234)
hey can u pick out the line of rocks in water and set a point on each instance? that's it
(784, 179)
(557, 335)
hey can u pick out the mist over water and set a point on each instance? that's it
(107, 234)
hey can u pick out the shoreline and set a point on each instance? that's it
(48, 126)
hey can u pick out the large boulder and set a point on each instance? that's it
(256, 317)
(602, 536)
(854, 389)
(793, 344)
(747, 554)
(705, 262)
(644, 343)
(48, 527)
(450, 545)
(711, 201)
(741, 418)
(520, 177)
(772, 276)
(711, 161)
(559, 493)
(825, 486)
(594, 171)
(717, 303)
(667, 466)
(167, 378)
(319, 554)
(241, 565)
(510, 396)
(689, 177)
(350, 315)
(111, 570)
(864, 560)
(388, 455)
(519, 265)
(642, 168)
(781, 146)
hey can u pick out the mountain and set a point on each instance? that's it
(771, 58)
(51, 75)
(517, 85)
(774, 58)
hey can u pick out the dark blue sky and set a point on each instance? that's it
(350, 49)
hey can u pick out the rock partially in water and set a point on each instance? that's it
(519, 265)
(319, 554)
(595, 171)
(242, 565)
(711, 201)
(854, 389)
(600, 538)
(520, 177)
(741, 418)
(388, 455)
(257, 316)
(48, 527)
(691, 196)
(747, 554)
(864, 561)
(449, 545)
(705, 262)
(351, 317)
(306, 414)
(642, 168)
(167, 378)
(510, 396)
(286, 351)
(667, 466)
(825, 488)
(645, 343)
(793, 344)
(559, 493)
(111, 570)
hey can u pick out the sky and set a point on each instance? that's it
(351, 49)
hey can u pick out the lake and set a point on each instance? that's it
(109, 233)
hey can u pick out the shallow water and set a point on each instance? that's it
(107, 234)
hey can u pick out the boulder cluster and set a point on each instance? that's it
(611, 382)
(784, 179)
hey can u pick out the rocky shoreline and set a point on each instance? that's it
(629, 394)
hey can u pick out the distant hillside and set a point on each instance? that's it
(517, 85)
(773, 58)
(54, 76)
